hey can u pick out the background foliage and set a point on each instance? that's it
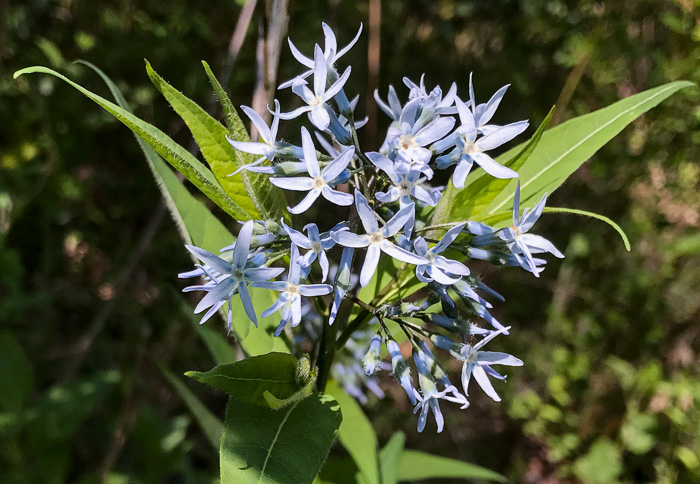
(89, 298)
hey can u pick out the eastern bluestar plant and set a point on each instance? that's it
(381, 202)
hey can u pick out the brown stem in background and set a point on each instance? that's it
(272, 29)
(234, 46)
(568, 90)
(373, 57)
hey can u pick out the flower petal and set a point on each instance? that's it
(298, 184)
(401, 254)
(240, 252)
(369, 221)
(370, 264)
(310, 290)
(304, 205)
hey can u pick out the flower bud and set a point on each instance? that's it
(371, 360)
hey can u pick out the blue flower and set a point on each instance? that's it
(468, 150)
(317, 99)
(433, 102)
(319, 182)
(478, 363)
(268, 146)
(331, 53)
(289, 300)
(521, 244)
(342, 281)
(412, 135)
(400, 369)
(375, 239)
(430, 394)
(229, 278)
(439, 268)
(370, 362)
(315, 243)
(406, 183)
(392, 107)
(484, 112)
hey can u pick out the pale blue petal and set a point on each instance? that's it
(461, 171)
(483, 380)
(310, 290)
(336, 197)
(304, 205)
(273, 285)
(498, 358)
(492, 105)
(336, 167)
(369, 266)
(212, 260)
(299, 184)
(247, 303)
(501, 136)
(297, 237)
(262, 273)
(349, 239)
(398, 221)
(492, 167)
(369, 221)
(401, 254)
(259, 124)
(240, 252)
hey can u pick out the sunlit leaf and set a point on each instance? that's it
(415, 466)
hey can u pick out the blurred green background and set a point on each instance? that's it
(89, 298)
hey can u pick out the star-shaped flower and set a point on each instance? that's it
(484, 112)
(477, 362)
(331, 53)
(430, 394)
(439, 268)
(375, 239)
(406, 183)
(320, 96)
(319, 182)
(468, 150)
(230, 278)
(315, 243)
(289, 300)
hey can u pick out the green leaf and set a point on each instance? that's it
(390, 457)
(415, 466)
(212, 427)
(566, 147)
(198, 226)
(175, 154)
(251, 191)
(289, 446)
(357, 435)
(481, 188)
(233, 122)
(585, 213)
(16, 374)
(249, 379)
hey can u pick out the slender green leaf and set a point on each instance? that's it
(481, 188)
(249, 379)
(198, 226)
(585, 213)
(233, 122)
(175, 154)
(251, 191)
(212, 427)
(357, 435)
(390, 458)
(415, 466)
(566, 147)
(289, 446)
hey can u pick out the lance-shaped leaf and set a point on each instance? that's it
(250, 190)
(390, 458)
(559, 152)
(198, 226)
(261, 445)
(563, 149)
(415, 466)
(357, 435)
(172, 152)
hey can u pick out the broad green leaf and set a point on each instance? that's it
(249, 379)
(64, 408)
(357, 435)
(175, 154)
(16, 374)
(251, 191)
(212, 427)
(289, 446)
(198, 226)
(415, 465)
(481, 188)
(390, 457)
(566, 147)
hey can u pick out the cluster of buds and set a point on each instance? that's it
(384, 200)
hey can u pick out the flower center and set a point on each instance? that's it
(468, 146)
(292, 288)
(375, 238)
(316, 101)
(318, 182)
(238, 274)
(406, 141)
(405, 187)
(316, 247)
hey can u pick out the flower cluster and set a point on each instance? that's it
(383, 203)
